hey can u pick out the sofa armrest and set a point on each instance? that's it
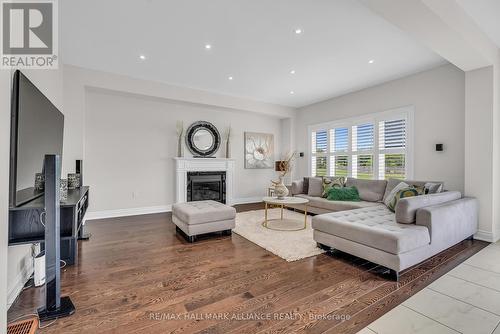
(297, 187)
(406, 209)
(450, 222)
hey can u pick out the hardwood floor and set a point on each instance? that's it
(136, 275)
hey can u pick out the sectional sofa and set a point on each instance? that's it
(420, 227)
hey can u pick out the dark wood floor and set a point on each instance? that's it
(136, 274)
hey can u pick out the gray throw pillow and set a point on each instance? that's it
(433, 188)
(305, 188)
(315, 187)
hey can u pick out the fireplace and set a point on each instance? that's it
(206, 186)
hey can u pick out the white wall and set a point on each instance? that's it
(496, 168)
(479, 144)
(438, 97)
(130, 141)
(4, 194)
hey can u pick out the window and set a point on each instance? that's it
(377, 146)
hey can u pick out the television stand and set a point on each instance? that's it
(25, 226)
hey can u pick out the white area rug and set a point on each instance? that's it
(289, 245)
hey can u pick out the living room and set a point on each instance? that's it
(254, 166)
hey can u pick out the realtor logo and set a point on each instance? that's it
(29, 34)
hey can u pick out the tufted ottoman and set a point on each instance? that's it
(201, 217)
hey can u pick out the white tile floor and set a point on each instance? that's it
(465, 300)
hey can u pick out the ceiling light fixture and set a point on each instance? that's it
(208, 46)
(371, 61)
(230, 78)
(292, 72)
(298, 31)
(142, 57)
(292, 92)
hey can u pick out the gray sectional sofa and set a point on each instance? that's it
(420, 227)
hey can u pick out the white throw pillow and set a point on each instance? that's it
(394, 191)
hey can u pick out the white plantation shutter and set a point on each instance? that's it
(319, 143)
(339, 146)
(363, 139)
(369, 147)
(392, 149)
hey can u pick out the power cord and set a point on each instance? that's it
(42, 216)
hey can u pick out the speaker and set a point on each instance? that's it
(79, 170)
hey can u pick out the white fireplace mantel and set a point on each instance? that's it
(185, 165)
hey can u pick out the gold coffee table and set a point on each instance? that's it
(286, 201)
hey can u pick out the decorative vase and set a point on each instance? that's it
(228, 149)
(73, 181)
(280, 190)
(63, 190)
(39, 181)
(180, 148)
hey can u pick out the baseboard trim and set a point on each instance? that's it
(21, 279)
(484, 236)
(246, 200)
(151, 209)
(127, 212)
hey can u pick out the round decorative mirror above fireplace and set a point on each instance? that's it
(202, 139)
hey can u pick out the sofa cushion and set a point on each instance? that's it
(406, 208)
(375, 227)
(323, 203)
(315, 186)
(391, 183)
(200, 212)
(298, 187)
(369, 190)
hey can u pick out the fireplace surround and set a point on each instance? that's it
(183, 166)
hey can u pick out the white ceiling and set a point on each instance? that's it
(252, 40)
(486, 13)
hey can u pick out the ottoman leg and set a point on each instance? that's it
(189, 238)
(227, 232)
(324, 247)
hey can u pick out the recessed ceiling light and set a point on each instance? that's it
(142, 57)
(229, 78)
(371, 61)
(292, 72)
(292, 92)
(208, 46)
(298, 31)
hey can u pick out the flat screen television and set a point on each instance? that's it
(36, 130)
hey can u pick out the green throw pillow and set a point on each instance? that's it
(343, 194)
(330, 182)
(403, 193)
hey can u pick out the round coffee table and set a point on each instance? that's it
(286, 201)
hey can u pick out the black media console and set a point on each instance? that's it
(25, 226)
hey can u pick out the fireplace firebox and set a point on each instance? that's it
(206, 186)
